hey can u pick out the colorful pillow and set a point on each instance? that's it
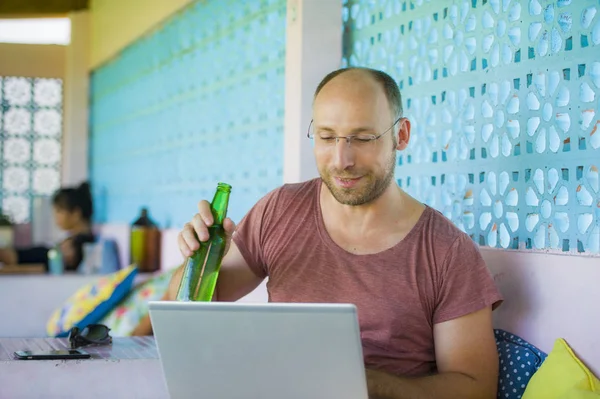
(91, 302)
(563, 376)
(519, 360)
(130, 311)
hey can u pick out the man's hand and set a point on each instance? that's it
(196, 230)
(467, 362)
(236, 279)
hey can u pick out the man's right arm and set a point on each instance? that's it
(236, 278)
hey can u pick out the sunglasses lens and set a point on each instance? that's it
(95, 332)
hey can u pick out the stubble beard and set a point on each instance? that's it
(371, 191)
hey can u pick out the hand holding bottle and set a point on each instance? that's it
(205, 241)
(196, 230)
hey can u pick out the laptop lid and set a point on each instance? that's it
(259, 351)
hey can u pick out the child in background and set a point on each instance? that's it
(73, 211)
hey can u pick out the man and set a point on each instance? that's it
(423, 293)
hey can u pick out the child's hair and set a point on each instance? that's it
(71, 199)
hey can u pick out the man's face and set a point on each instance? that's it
(352, 104)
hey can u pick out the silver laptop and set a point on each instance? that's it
(221, 350)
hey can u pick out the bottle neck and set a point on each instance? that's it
(219, 205)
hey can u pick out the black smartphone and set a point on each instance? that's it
(52, 354)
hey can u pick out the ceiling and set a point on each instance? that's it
(39, 8)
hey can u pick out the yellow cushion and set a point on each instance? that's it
(91, 302)
(562, 376)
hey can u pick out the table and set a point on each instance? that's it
(27, 268)
(129, 368)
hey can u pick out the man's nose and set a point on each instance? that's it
(344, 154)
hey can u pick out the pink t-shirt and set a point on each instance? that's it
(434, 274)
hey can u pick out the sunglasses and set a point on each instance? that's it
(91, 334)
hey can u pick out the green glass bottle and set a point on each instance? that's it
(202, 268)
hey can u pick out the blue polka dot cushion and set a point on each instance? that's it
(519, 360)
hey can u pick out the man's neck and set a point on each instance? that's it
(372, 228)
(388, 209)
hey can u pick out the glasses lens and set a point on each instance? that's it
(95, 332)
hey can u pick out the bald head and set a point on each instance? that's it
(358, 77)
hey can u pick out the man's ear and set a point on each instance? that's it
(403, 134)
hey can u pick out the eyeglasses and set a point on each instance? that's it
(91, 334)
(361, 140)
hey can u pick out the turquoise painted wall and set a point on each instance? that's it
(504, 98)
(197, 101)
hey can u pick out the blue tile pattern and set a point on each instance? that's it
(197, 101)
(504, 97)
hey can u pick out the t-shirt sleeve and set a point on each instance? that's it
(466, 284)
(249, 235)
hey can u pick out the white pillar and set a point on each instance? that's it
(313, 49)
(76, 107)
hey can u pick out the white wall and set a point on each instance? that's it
(76, 107)
(549, 296)
(313, 49)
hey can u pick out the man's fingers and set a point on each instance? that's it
(183, 246)
(205, 213)
(199, 227)
(228, 226)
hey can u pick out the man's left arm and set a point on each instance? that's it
(467, 363)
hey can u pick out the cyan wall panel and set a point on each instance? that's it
(504, 100)
(197, 101)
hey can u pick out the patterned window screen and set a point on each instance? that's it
(503, 96)
(30, 140)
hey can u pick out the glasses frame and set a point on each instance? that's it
(350, 138)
